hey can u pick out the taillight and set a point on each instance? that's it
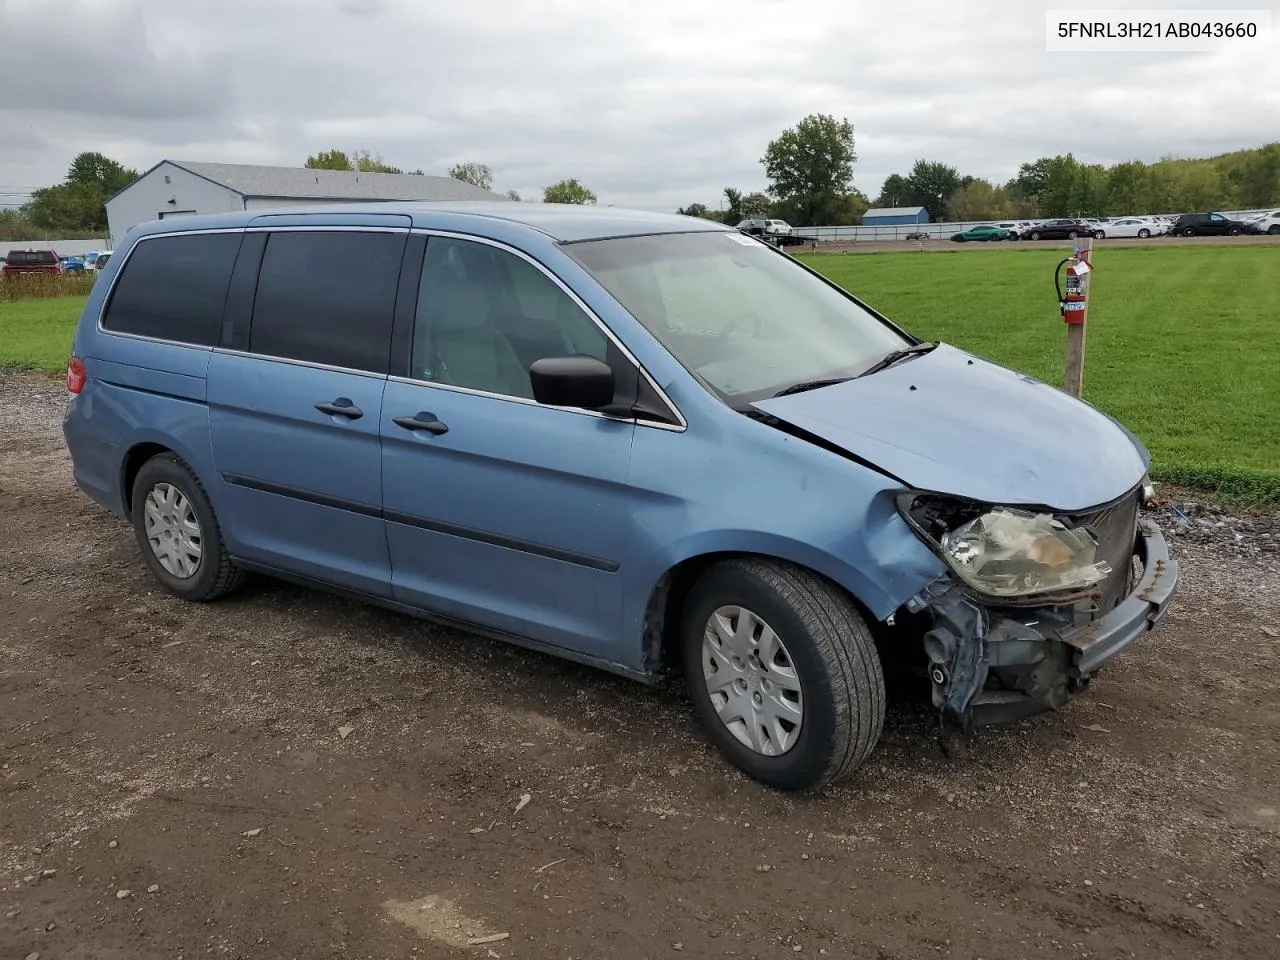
(75, 375)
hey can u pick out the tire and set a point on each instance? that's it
(1233, 232)
(1099, 234)
(1072, 235)
(1035, 234)
(1274, 229)
(212, 575)
(1189, 232)
(1144, 233)
(839, 685)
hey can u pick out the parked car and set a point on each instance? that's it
(1206, 225)
(1015, 228)
(621, 438)
(1058, 230)
(775, 231)
(31, 261)
(101, 259)
(1128, 227)
(985, 232)
(1265, 223)
(72, 264)
(918, 235)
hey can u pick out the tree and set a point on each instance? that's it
(512, 195)
(366, 162)
(361, 160)
(476, 174)
(698, 210)
(733, 212)
(895, 192)
(930, 185)
(329, 160)
(757, 204)
(568, 191)
(810, 167)
(1124, 188)
(94, 169)
(78, 203)
(979, 200)
(1029, 181)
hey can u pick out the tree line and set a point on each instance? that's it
(476, 174)
(809, 169)
(74, 207)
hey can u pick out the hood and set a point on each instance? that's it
(954, 423)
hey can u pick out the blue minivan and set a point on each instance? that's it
(636, 440)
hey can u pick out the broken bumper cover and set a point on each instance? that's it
(1137, 613)
(990, 665)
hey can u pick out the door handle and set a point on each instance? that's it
(422, 421)
(342, 407)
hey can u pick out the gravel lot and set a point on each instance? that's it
(285, 774)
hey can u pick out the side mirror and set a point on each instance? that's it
(577, 381)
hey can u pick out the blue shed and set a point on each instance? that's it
(894, 216)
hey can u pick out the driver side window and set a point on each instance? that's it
(485, 315)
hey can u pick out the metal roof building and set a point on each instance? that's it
(178, 188)
(894, 216)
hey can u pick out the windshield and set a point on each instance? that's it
(745, 319)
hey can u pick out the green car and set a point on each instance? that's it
(981, 233)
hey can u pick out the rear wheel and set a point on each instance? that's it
(783, 672)
(1035, 234)
(1071, 235)
(1274, 229)
(1189, 232)
(1233, 232)
(178, 533)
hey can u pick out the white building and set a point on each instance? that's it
(178, 188)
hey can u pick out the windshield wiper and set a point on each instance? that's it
(893, 356)
(804, 385)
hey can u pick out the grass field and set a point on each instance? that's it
(36, 334)
(1182, 345)
(1183, 342)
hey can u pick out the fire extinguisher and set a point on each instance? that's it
(1074, 304)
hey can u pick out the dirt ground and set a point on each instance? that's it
(284, 774)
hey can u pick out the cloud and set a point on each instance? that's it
(655, 104)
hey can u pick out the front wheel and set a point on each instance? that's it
(1099, 235)
(1233, 232)
(1035, 235)
(783, 672)
(1189, 232)
(1072, 235)
(178, 533)
(1144, 233)
(1274, 229)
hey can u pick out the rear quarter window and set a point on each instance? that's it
(174, 287)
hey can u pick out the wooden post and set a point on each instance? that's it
(1074, 381)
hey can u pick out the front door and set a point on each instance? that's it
(294, 414)
(499, 511)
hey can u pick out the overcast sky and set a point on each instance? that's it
(655, 103)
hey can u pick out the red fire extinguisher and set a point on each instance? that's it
(1074, 304)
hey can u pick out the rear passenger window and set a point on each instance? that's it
(173, 288)
(328, 297)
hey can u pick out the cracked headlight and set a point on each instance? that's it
(1010, 553)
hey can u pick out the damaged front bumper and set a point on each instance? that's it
(990, 664)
